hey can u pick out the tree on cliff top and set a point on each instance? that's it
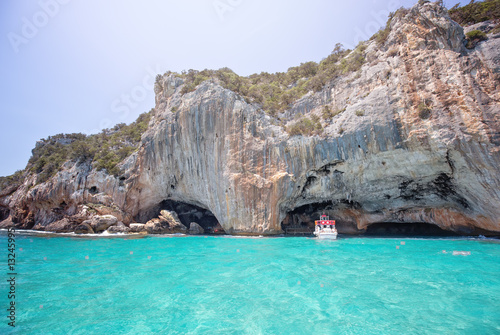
(475, 12)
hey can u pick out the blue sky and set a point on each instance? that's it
(82, 65)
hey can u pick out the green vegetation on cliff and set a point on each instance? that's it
(475, 12)
(474, 37)
(276, 91)
(14, 179)
(104, 150)
(306, 126)
(328, 113)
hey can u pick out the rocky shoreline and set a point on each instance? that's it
(166, 223)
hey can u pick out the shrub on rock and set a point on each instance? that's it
(474, 37)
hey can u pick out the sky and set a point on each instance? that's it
(78, 66)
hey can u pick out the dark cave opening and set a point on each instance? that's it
(187, 213)
(4, 213)
(300, 222)
(406, 229)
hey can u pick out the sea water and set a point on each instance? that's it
(226, 285)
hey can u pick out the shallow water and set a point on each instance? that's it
(214, 285)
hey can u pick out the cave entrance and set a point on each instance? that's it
(187, 213)
(406, 229)
(300, 221)
(4, 213)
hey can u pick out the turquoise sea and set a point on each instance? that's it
(229, 285)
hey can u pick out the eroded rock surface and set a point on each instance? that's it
(84, 228)
(137, 227)
(166, 223)
(100, 223)
(118, 229)
(195, 229)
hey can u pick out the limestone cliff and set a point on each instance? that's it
(417, 140)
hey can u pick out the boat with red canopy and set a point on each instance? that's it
(325, 228)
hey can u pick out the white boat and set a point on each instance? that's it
(325, 228)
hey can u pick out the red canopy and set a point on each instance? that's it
(325, 222)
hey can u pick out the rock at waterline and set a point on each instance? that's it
(137, 227)
(100, 223)
(118, 229)
(84, 228)
(195, 229)
(167, 223)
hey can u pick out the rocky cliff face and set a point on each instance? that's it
(417, 141)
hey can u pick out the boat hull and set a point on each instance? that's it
(327, 236)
